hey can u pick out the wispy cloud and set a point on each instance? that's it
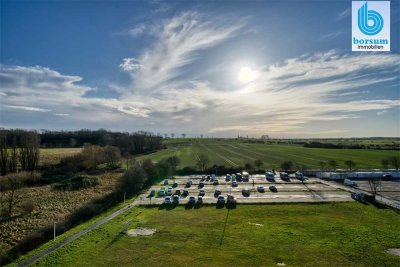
(345, 13)
(35, 109)
(175, 44)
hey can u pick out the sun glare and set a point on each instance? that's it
(247, 74)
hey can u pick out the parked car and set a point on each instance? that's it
(202, 192)
(169, 191)
(245, 176)
(233, 177)
(349, 182)
(213, 177)
(208, 177)
(201, 184)
(192, 200)
(217, 192)
(175, 184)
(231, 199)
(260, 189)
(177, 192)
(269, 176)
(200, 199)
(215, 182)
(188, 184)
(299, 175)
(176, 199)
(246, 192)
(161, 193)
(234, 184)
(167, 200)
(203, 177)
(387, 176)
(185, 193)
(284, 176)
(238, 177)
(228, 177)
(221, 199)
(273, 189)
(165, 182)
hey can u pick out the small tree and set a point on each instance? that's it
(258, 163)
(248, 166)
(133, 180)
(333, 164)
(322, 165)
(183, 135)
(287, 165)
(350, 164)
(12, 184)
(173, 162)
(202, 162)
(385, 163)
(112, 157)
(395, 162)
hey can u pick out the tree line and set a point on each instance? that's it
(133, 143)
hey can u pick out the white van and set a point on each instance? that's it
(349, 182)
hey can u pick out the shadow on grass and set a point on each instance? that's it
(167, 206)
(189, 206)
(115, 239)
(220, 205)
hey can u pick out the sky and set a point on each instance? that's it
(212, 68)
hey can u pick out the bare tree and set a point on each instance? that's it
(374, 185)
(322, 165)
(12, 184)
(29, 151)
(112, 156)
(395, 162)
(3, 155)
(385, 163)
(333, 164)
(183, 135)
(172, 135)
(350, 164)
(258, 163)
(202, 161)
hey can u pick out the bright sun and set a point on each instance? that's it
(246, 75)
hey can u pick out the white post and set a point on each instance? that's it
(54, 233)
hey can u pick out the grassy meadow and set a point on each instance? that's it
(332, 234)
(230, 152)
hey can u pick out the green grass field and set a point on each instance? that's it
(230, 152)
(332, 234)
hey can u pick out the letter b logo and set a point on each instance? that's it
(365, 16)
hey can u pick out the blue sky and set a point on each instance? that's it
(218, 68)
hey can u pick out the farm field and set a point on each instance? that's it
(250, 235)
(234, 153)
(54, 155)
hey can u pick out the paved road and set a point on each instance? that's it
(75, 236)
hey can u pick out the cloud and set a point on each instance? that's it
(61, 114)
(345, 13)
(130, 64)
(380, 113)
(176, 41)
(27, 108)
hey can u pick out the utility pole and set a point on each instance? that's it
(124, 196)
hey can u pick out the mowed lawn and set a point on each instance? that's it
(235, 153)
(331, 234)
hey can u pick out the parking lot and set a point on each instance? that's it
(285, 191)
(388, 189)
